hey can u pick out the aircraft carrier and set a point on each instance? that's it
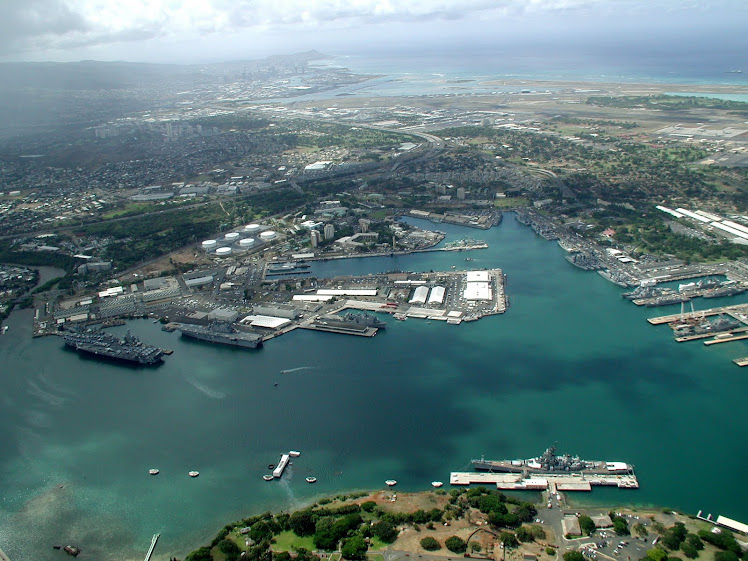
(99, 343)
(549, 463)
(223, 334)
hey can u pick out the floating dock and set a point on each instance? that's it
(741, 361)
(539, 482)
(278, 471)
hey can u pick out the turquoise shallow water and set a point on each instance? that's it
(570, 362)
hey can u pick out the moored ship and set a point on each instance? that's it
(550, 462)
(99, 343)
(368, 320)
(223, 334)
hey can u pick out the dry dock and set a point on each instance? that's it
(567, 482)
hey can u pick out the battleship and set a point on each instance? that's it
(99, 343)
(367, 320)
(224, 334)
(549, 462)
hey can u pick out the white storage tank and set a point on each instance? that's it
(223, 251)
(231, 236)
(247, 242)
(268, 235)
(252, 228)
(209, 244)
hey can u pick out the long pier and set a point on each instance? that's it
(739, 308)
(154, 540)
(518, 482)
(725, 339)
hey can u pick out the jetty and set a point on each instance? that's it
(154, 540)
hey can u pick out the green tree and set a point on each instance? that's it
(524, 534)
(368, 506)
(656, 554)
(229, 548)
(586, 524)
(726, 556)
(354, 548)
(550, 551)
(430, 544)
(509, 540)
(573, 556)
(201, 554)
(303, 522)
(455, 544)
(689, 550)
(385, 531)
(640, 530)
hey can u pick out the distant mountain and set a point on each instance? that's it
(115, 75)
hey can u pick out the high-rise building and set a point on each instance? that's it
(364, 223)
(460, 193)
(329, 231)
(315, 238)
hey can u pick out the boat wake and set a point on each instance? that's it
(299, 369)
(214, 394)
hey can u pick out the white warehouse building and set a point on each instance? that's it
(420, 295)
(437, 295)
(477, 291)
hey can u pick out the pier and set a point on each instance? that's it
(539, 482)
(730, 310)
(725, 338)
(154, 540)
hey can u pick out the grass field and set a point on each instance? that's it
(287, 541)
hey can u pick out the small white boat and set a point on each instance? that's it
(153, 471)
(268, 477)
(311, 479)
(436, 484)
(194, 473)
(294, 453)
(390, 482)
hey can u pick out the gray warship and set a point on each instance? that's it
(99, 343)
(221, 333)
(549, 462)
(368, 320)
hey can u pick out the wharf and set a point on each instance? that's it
(566, 482)
(686, 338)
(741, 361)
(725, 339)
(731, 310)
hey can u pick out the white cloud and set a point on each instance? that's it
(44, 25)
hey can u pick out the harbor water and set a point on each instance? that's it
(570, 363)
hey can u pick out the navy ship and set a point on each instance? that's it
(99, 343)
(367, 320)
(221, 333)
(549, 462)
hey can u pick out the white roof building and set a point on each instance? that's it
(477, 276)
(347, 292)
(477, 291)
(420, 295)
(268, 322)
(437, 295)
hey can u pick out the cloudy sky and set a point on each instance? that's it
(210, 30)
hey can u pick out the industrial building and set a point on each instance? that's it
(437, 295)
(420, 294)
